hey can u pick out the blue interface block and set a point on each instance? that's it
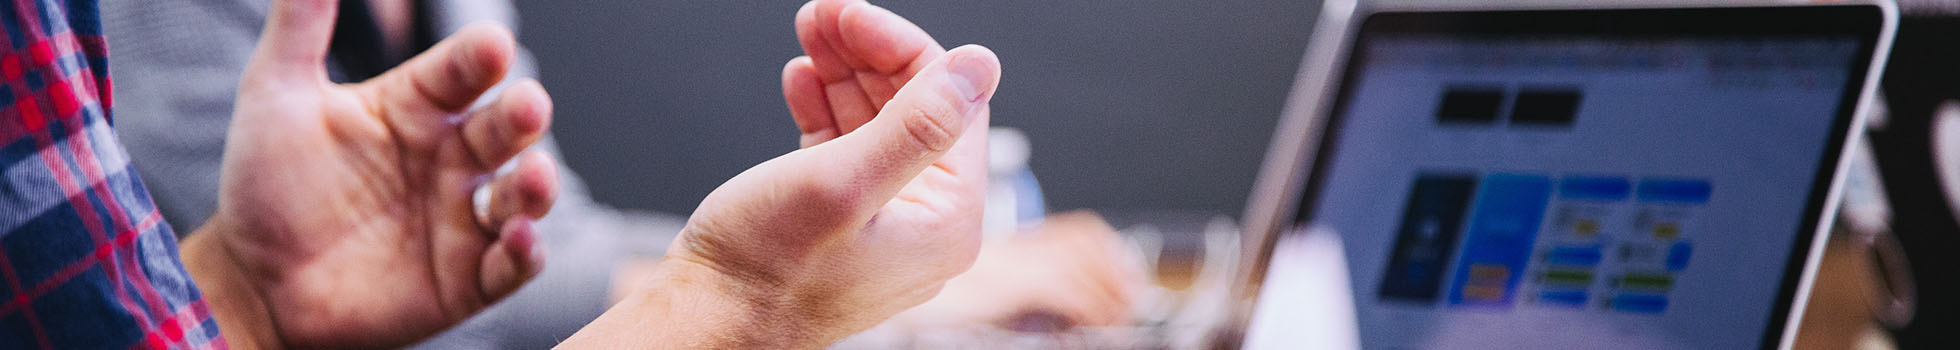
(1576, 256)
(1602, 189)
(1677, 256)
(1574, 298)
(1640, 303)
(1688, 191)
(1498, 244)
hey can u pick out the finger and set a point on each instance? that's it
(297, 34)
(807, 104)
(527, 192)
(824, 54)
(889, 48)
(517, 119)
(512, 260)
(1097, 248)
(827, 12)
(925, 120)
(849, 105)
(1096, 305)
(1071, 298)
(420, 95)
(1108, 285)
(1088, 250)
(1093, 264)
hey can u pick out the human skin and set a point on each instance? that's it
(1073, 268)
(878, 209)
(345, 216)
(1059, 270)
(859, 55)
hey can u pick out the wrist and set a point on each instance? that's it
(690, 305)
(236, 304)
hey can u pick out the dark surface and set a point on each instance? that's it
(1130, 105)
(1921, 75)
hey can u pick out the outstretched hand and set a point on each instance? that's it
(345, 217)
(882, 205)
(878, 209)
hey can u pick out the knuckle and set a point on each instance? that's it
(932, 125)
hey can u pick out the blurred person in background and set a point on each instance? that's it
(344, 217)
(179, 62)
(349, 215)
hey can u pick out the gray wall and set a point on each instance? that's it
(1131, 106)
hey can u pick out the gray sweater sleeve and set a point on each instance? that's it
(176, 66)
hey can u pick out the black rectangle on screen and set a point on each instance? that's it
(1470, 105)
(1546, 107)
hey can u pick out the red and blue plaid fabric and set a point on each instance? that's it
(86, 262)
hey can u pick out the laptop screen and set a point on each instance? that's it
(1631, 179)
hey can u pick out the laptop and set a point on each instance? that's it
(1570, 175)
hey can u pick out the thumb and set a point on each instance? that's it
(921, 123)
(297, 34)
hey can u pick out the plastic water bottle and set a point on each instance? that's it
(1013, 195)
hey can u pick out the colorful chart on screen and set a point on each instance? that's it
(1610, 179)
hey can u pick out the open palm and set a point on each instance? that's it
(350, 205)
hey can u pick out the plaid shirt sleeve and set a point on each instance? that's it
(86, 262)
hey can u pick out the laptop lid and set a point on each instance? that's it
(1552, 176)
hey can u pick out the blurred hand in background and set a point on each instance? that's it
(345, 217)
(1072, 271)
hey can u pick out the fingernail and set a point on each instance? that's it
(970, 75)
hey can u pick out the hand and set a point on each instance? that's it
(1073, 271)
(345, 217)
(880, 207)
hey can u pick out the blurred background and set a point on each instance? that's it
(1134, 109)
(1130, 106)
(1153, 114)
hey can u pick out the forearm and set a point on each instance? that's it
(241, 312)
(687, 305)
